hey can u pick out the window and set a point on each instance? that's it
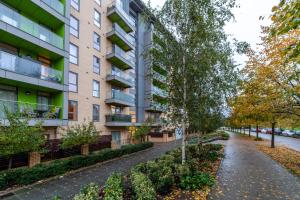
(96, 113)
(96, 89)
(73, 54)
(96, 41)
(73, 82)
(96, 65)
(75, 4)
(73, 110)
(43, 102)
(74, 26)
(98, 2)
(97, 18)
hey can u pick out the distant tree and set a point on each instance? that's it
(19, 136)
(141, 132)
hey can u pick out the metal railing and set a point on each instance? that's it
(32, 110)
(121, 96)
(159, 76)
(17, 20)
(119, 52)
(118, 29)
(159, 92)
(28, 67)
(118, 4)
(56, 5)
(118, 118)
(158, 106)
(120, 74)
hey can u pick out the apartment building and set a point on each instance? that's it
(71, 61)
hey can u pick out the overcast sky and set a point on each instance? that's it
(246, 26)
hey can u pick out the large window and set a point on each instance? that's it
(96, 89)
(96, 65)
(43, 101)
(75, 4)
(96, 113)
(74, 26)
(73, 82)
(97, 18)
(73, 54)
(73, 110)
(96, 42)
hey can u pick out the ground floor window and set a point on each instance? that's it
(73, 110)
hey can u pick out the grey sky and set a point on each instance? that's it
(246, 26)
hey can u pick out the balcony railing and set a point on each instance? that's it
(159, 77)
(157, 107)
(32, 110)
(158, 91)
(56, 5)
(120, 96)
(118, 29)
(13, 18)
(122, 57)
(28, 67)
(120, 74)
(119, 6)
(118, 118)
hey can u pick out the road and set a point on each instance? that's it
(292, 143)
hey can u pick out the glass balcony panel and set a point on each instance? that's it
(121, 96)
(118, 118)
(32, 110)
(28, 67)
(118, 29)
(119, 5)
(158, 91)
(159, 77)
(56, 5)
(13, 18)
(119, 73)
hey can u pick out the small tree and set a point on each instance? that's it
(79, 134)
(141, 132)
(19, 136)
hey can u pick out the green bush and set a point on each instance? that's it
(225, 136)
(196, 181)
(142, 186)
(89, 192)
(113, 189)
(25, 176)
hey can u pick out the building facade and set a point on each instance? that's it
(70, 61)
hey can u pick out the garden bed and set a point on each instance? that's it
(219, 135)
(164, 178)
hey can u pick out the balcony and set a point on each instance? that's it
(49, 114)
(118, 120)
(31, 68)
(156, 107)
(119, 78)
(116, 14)
(120, 58)
(56, 5)
(118, 36)
(119, 98)
(159, 92)
(159, 77)
(30, 27)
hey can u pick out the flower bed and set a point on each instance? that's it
(167, 177)
(219, 135)
(25, 176)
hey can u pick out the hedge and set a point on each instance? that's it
(142, 186)
(25, 176)
(113, 188)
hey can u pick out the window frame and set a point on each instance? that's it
(98, 82)
(78, 26)
(76, 3)
(97, 23)
(99, 37)
(76, 109)
(97, 119)
(73, 56)
(76, 74)
(98, 2)
(96, 57)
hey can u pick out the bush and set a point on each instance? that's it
(196, 181)
(89, 192)
(225, 136)
(25, 176)
(113, 189)
(142, 186)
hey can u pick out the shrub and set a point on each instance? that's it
(196, 181)
(142, 186)
(258, 139)
(89, 192)
(25, 176)
(225, 136)
(113, 189)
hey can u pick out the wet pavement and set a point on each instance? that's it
(292, 143)
(247, 174)
(67, 186)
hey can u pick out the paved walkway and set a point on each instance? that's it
(69, 185)
(247, 174)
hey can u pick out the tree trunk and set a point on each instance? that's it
(257, 131)
(273, 135)
(250, 131)
(183, 144)
(10, 162)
